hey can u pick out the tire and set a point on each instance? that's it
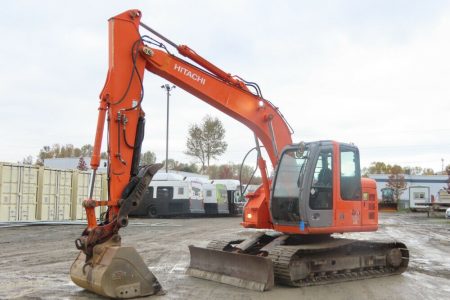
(152, 212)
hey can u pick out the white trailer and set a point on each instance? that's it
(419, 195)
(235, 201)
(215, 198)
(442, 202)
(171, 194)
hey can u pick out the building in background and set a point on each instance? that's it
(419, 188)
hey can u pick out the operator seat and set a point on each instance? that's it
(325, 177)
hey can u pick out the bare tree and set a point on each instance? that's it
(396, 181)
(82, 164)
(205, 141)
(27, 160)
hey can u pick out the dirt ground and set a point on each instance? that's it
(35, 261)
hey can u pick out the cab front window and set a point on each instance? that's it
(286, 188)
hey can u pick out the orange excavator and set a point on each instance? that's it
(316, 191)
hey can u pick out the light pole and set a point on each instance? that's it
(168, 88)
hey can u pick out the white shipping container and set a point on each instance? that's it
(83, 187)
(18, 192)
(28, 193)
(56, 195)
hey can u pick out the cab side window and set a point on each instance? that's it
(323, 173)
(350, 174)
(321, 196)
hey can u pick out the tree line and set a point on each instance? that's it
(61, 151)
(379, 167)
(205, 142)
(396, 175)
(223, 171)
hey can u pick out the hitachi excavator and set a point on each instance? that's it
(316, 191)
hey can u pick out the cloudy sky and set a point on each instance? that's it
(375, 73)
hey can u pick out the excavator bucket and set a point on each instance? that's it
(241, 270)
(115, 272)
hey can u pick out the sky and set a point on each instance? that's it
(373, 73)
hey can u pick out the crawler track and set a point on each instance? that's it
(337, 261)
(332, 260)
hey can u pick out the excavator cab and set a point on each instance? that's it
(311, 179)
(317, 190)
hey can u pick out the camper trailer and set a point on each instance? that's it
(171, 195)
(419, 197)
(442, 200)
(235, 201)
(215, 198)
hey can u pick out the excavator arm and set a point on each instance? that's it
(129, 55)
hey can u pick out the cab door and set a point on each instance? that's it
(349, 207)
(319, 207)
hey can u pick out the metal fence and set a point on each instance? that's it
(29, 193)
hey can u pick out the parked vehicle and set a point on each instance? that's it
(419, 198)
(170, 195)
(215, 198)
(442, 201)
(388, 201)
(235, 201)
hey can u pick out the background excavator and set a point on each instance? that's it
(317, 189)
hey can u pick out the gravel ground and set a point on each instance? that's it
(35, 260)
